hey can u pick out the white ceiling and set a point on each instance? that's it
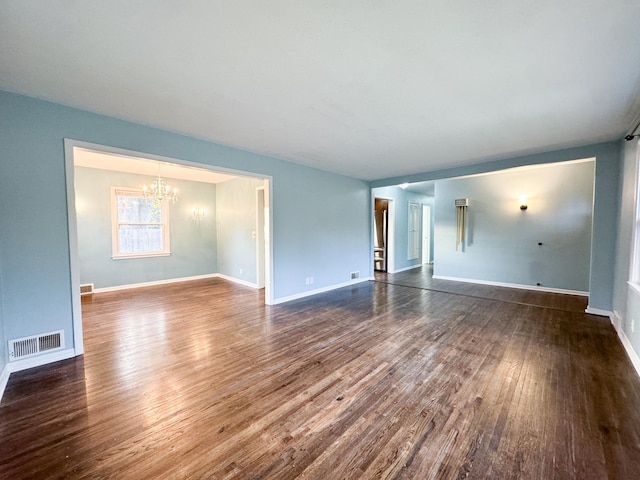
(371, 89)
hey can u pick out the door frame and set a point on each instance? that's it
(261, 243)
(426, 238)
(391, 221)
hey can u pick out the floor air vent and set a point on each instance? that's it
(29, 346)
(86, 289)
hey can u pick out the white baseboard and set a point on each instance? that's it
(39, 360)
(236, 280)
(157, 282)
(514, 285)
(617, 322)
(600, 312)
(4, 378)
(31, 362)
(404, 269)
(320, 290)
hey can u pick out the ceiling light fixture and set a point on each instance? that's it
(523, 203)
(160, 191)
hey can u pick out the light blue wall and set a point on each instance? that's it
(320, 220)
(193, 244)
(3, 337)
(36, 291)
(626, 304)
(605, 208)
(323, 220)
(236, 228)
(401, 199)
(502, 240)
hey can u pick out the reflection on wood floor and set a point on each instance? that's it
(421, 277)
(379, 380)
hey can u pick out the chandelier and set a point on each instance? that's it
(159, 191)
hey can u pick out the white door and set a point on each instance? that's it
(413, 235)
(426, 233)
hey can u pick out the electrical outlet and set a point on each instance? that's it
(308, 280)
(355, 275)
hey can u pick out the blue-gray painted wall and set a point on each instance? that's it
(501, 243)
(321, 221)
(3, 336)
(193, 243)
(236, 228)
(605, 209)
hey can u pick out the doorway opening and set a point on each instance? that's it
(383, 234)
(190, 222)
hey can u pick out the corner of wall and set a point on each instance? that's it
(4, 368)
(4, 379)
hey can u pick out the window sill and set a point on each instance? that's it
(140, 255)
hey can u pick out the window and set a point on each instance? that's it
(140, 227)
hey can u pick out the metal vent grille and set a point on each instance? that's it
(49, 342)
(86, 289)
(29, 346)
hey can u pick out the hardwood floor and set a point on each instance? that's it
(379, 380)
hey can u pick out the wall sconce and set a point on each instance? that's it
(197, 214)
(523, 203)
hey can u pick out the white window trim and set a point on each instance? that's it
(115, 253)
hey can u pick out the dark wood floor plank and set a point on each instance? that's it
(404, 377)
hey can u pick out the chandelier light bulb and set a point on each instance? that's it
(160, 190)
